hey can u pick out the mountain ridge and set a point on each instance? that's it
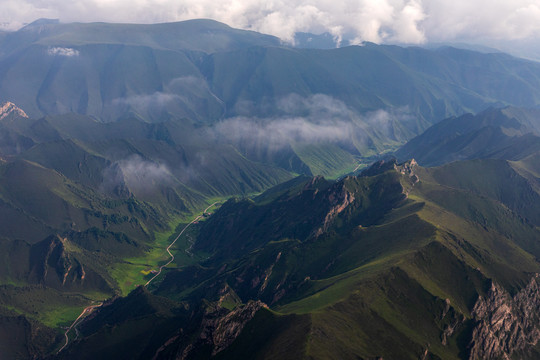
(433, 279)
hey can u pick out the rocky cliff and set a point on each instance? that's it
(221, 327)
(506, 324)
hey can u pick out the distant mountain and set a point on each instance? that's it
(509, 133)
(204, 72)
(195, 35)
(315, 268)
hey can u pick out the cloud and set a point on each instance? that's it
(140, 175)
(60, 51)
(277, 133)
(405, 21)
(314, 119)
(144, 172)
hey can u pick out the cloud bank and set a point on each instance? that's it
(315, 119)
(309, 120)
(380, 21)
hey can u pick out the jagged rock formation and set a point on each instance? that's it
(221, 327)
(339, 200)
(506, 324)
(407, 168)
(53, 265)
(10, 109)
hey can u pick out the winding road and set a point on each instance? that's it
(171, 244)
(88, 310)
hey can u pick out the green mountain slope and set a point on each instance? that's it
(396, 263)
(87, 209)
(135, 129)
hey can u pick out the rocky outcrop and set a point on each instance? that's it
(50, 262)
(220, 327)
(222, 330)
(506, 324)
(339, 200)
(407, 168)
(55, 263)
(9, 109)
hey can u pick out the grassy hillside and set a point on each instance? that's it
(388, 264)
(397, 262)
(88, 209)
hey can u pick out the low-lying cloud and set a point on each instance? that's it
(61, 51)
(279, 132)
(310, 120)
(138, 171)
(140, 175)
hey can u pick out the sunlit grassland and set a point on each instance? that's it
(132, 272)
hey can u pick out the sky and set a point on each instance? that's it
(486, 22)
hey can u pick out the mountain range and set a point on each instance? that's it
(506, 133)
(362, 202)
(401, 255)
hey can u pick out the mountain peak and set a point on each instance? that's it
(10, 108)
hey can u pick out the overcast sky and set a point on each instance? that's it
(381, 21)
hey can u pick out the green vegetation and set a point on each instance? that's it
(386, 261)
(407, 269)
(133, 272)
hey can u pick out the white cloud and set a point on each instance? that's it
(407, 21)
(315, 119)
(60, 51)
(143, 173)
(140, 175)
(279, 132)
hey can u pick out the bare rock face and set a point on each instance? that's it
(338, 200)
(221, 327)
(9, 109)
(506, 324)
(227, 328)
